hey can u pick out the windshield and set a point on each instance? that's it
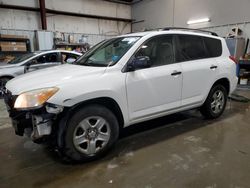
(107, 53)
(21, 58)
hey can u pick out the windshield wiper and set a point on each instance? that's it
(93, 64)
(90, 62)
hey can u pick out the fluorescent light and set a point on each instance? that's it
(198, 21)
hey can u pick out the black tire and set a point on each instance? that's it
(3, 82)
(208, 110)
(77, 152)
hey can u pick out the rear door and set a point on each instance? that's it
(199, 65)
(155, 89)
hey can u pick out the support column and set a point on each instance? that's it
(43, 14)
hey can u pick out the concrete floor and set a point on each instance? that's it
(181, 150)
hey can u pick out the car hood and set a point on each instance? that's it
(51, 77)
(6, 65)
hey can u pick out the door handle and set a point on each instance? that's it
(213, 67)
(175, 73)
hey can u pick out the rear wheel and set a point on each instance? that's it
(3, 82)
(90, 133)
(215, 103)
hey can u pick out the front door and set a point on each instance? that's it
(44, 61)
(157, 89)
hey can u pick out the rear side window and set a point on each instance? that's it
(213, 46)
(190, 48)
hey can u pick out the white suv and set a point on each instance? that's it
(122, 81)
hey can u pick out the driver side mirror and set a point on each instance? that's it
(139, 62)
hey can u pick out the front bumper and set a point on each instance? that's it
(35, 123)
(18, 118)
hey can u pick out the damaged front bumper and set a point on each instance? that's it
(35, 123)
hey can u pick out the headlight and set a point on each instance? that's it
(34, 98)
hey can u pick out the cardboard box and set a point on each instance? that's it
(13, 46)
(13, 49)
(13, 36)
(13, 43)
(6, 59)
(243, 81)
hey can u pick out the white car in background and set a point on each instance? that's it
(34, 61)
(128, 79)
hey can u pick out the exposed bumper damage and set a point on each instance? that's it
(35, 123)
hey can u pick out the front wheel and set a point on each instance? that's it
(90, 133)
(215, 103)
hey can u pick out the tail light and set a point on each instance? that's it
(234, 59)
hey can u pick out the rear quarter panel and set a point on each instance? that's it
(226, 69)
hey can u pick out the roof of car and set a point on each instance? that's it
(138, 34)
(174, 31)
(49, 51)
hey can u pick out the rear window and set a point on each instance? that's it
(214, 47)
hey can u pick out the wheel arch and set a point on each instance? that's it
(108, 102)
(7, 76)
(223, 81)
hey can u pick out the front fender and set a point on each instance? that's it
(119, 98)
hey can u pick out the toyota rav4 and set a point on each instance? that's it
(125, 80)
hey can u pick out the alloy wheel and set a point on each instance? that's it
(91, 135)
(218, 102)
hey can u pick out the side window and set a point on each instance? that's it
(190, 48)
(40, 59)
(159, 50)
(214, 46)
(47, 58)
(68, 57)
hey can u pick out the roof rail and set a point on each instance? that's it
(188, 29)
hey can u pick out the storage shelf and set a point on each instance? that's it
(13, 52)
(71, 44)
(244, 62)
(240, 86)
(25, 40)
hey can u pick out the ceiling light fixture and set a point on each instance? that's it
(190, 22)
